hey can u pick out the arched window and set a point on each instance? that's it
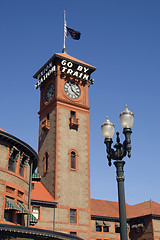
(73, 160)
(46, 162)
(13, 156)
(73, 155)
(22, 164)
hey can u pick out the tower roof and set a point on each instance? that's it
(67, 57)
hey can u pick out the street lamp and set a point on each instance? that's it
(121, 150)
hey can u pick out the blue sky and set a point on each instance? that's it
(121, 39)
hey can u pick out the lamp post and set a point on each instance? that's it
(121, 150)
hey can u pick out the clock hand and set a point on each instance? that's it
(73, 90)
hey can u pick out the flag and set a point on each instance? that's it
(74, 34)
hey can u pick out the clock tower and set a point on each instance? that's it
(64, 163)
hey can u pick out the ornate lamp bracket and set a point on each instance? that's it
(121, 149)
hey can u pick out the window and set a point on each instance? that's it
(20, 194)
(11, 209)
(73, 160)
(36, 212)
(73, 233)
(73, 215)
(23, 161)
(8, 215)
(138, 226)
(117, 229)
(98, 228)
(21, 169)
(101, 239)
(105, 228)
(10, 189)
(46, 162)
(46, 123)
(102, 226)
(74, 121)
(48, 116)
(72, 114)
(13, 156)
(19, 218)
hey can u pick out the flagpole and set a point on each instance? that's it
(64, 42)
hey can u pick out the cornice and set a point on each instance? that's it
(6, 137)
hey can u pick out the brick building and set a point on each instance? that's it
(18, 162)
(57, 197)
(143, 220)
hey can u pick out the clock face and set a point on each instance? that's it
(49, 92)
(72, 90)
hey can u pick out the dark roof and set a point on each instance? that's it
(22, 146)
(34, 233)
